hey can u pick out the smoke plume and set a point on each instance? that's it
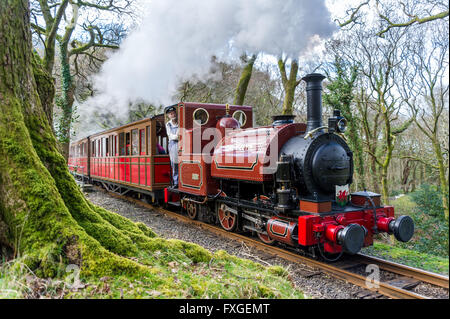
(177, 39)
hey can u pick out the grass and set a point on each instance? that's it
(174, 276)
(225, 276)
(409, 257)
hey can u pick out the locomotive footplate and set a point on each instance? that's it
(335, 209)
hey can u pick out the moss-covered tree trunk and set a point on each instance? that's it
(45, 219)
(66, 101)
(242, 86)
(443, 177)
(289, 83)
(369, 130)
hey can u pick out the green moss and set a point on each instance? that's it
(277, 270)
(45, 86)
(266, 292)
(146, 230)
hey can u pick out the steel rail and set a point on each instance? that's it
(420, 274)
(353, 278)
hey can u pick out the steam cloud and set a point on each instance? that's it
(177, 39)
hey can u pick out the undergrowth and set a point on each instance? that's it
(431, 229)
(428, 249)
(176, 273)
(409, 257)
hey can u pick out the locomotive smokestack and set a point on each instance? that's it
(314, 100)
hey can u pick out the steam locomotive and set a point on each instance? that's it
(287, 183)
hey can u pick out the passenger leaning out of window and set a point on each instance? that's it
(172, 134)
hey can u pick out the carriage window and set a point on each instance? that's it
(142, 142)
(240, 117)
(111, 147)
(115, 145)
(127, 144)
(201, 116)
(121, 144)
(148, 140)
(107, 146)
(93, 148)
(134, 142)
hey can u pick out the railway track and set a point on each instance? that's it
(400, 287)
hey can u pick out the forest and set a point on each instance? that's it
(386, 67)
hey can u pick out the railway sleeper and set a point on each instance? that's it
(403, 282)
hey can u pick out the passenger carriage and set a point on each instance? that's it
(126, 158)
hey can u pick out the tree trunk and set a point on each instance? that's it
(374, 173)
(405, 176)
(289, 84)
(68, 87)
(47, 88)
(414, 178)
(241, 88)
(67, 100)
(384, 185)
(443, 181)
(44, 218)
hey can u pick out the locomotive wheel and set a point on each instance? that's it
(227, 219)
(266, 239)
(191, 210)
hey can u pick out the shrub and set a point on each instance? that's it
(428, 198)
(431, 229)
(395, 192)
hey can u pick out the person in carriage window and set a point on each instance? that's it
(172, 134)
(160, 150)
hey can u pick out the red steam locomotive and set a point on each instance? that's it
(286, 183)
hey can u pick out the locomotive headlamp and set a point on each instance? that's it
(341, 125)
(337, 123)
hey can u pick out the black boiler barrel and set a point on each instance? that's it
(314, 100)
